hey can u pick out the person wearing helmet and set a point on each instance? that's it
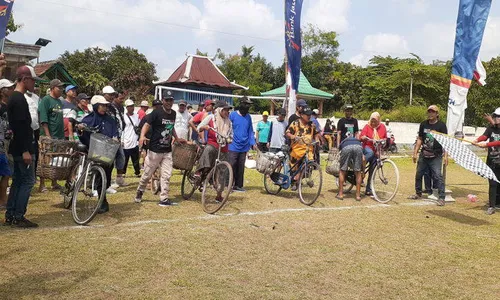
(262, 131)
(491, 140)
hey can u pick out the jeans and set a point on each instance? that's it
(120, 161)
(237, 162)
(134, 154)
(494, 190)
(23, 180)
(434, 165)
(370, 159)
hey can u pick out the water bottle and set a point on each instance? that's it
(75, 137)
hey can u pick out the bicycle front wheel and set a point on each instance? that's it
(217, 187)
(385, 181)
(311, 181)
(88, 195)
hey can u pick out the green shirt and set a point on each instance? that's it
(51, 112)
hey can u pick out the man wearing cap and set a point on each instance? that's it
(301, 103)
(77, 114)
(107, 126)
(277, 132)
(432, 154)
(68, 105)
(21, 148)
(182, 121)
(243, 141)
(262, 132)
(144, 108)
(130, 138)
(347, 126)
(208, 107)
(51, 118)
(6, 90)
(162, 123)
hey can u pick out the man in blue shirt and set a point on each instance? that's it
(263, 130)
(243, 140)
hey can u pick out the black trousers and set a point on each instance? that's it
(134, 154)
(494, 190)
(107, 170)
(263, 147)
(237, 162)
(36, 135)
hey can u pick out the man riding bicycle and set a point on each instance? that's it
(302, 133)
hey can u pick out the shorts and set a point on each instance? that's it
(351, 157)
(4, 166)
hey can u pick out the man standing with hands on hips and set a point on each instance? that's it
(243, 140)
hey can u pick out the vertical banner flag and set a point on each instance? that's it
(5, 10)
(293, 44)
(471, 22)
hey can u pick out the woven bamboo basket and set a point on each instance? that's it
(56, 158)
(184, 156)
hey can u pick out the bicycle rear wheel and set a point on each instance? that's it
(217, 187)
(269, 184)
(88, 195)
(311, 181)
(347, 185)
(188, 184)
(155, 182)
(385, 181)
(67, 191)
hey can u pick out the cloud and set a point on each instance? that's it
(245, 17)
(491, 40)
(381, 44)
(328, 15)
(414, 6)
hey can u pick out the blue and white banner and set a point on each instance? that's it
(471, 22)
(293, 44)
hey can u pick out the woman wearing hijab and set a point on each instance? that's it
(221, 123)
(107, 126)
(491, 140)
(373, 131)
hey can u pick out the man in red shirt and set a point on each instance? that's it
(208, 107)
(142, 111)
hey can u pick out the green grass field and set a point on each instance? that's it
(260, 247)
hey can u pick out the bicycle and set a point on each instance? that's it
(84, 191)
(310, 180)
(217, 183)
(385, 178)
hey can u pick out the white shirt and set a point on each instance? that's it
(33, 100)
(182, 124)
(129, 138)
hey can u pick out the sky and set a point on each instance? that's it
(166, 30)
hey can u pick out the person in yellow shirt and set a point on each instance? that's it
(302, 133)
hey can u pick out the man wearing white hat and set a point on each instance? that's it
(6, 89)
(143, 110)
(130, 138)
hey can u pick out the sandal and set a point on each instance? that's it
(338, 197)
(56, 187)
(43, 190)
(358, 198)
(415, 197)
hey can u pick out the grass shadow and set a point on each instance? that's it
(458, 217)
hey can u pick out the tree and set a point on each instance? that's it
(12, 26)
(123, 67)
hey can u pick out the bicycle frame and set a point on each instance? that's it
(298, 166)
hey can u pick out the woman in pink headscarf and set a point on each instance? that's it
(373, 131)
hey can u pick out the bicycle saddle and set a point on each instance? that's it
(81, 147)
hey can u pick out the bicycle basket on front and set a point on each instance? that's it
(267, 163)
(103, 149)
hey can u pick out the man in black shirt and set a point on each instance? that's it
(162, 122)
(21, 148)
(348, 126)
(432, 154)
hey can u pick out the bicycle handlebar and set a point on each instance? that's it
(221, 135)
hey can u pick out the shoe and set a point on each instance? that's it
(138, 197)
(120, 181)
(432, 197)
(167, 202)
(24, 223)
(490, 211)
(440, 202)
(294, 188)
(104, 207)
(111, 191)
(8, 222)
(368, 193)
(114, 186)
(239, 190)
